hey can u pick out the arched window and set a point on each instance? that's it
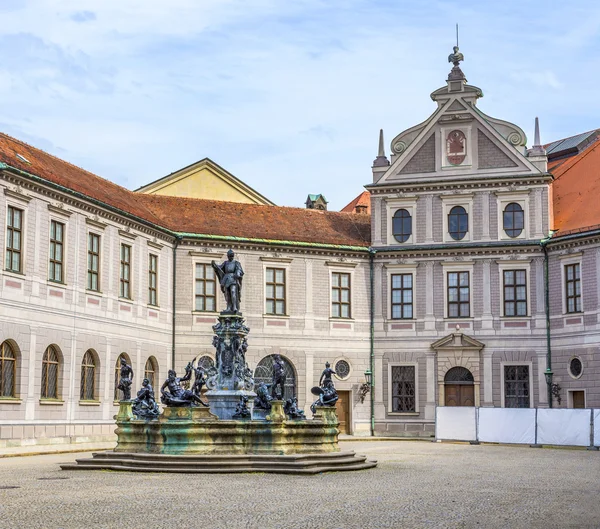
(118, 394)
(513, 219)
(402, 225)
(459, 375)
(151, 371)
(264, 373)
(458, 223)
(206, 362)
(8, 370)
(89, 366)
(50, 370)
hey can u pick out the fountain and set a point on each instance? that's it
(226, 434)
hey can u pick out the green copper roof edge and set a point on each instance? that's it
(274, 241)
(458, 246)
(83, 196)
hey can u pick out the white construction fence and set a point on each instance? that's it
(533, 426)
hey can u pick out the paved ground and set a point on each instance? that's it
(417, 484)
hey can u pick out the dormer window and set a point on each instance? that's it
(458, 223)
(402, 225)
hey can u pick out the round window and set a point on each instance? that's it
(342, 369)
(575, 367)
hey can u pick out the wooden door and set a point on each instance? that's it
(578, 399)
(460, 394)
(342, 408)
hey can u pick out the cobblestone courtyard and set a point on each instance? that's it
(416, 484)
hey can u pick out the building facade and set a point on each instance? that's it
(435, 282)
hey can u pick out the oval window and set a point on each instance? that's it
(514, 219)
(402, 225)
(458, 223)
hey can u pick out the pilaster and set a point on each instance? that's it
(487, 319)
(429, 293)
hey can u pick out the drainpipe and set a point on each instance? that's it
(177, 241)
(548, 373)
(372, 338)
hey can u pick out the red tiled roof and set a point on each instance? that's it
(194, 215)
(575, 190)
(362, 200)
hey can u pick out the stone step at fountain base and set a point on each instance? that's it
(223, 464)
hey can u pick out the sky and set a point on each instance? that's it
(287, 95)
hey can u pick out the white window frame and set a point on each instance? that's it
(448, 202)
(468, 161)
(390, 400)
(157, 255)
(55, 214)
(130, 243)
(570, 259)
(409, 203)
(458, 266)
(514, 265)
(531, 391)
(343, 269)
(503, 199)
(14, 200)
(286, 264)
(100, 257)
(392, 269)
(205, 261)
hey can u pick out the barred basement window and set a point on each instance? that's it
(56, 251)
(87, 388)
(14, 237)
(516, 387)
(205, 288)
(515, 293)
(402, 296)
(403, 389)
(50, 369)
(8, 370)
(125, 279)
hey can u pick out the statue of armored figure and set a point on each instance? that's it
(125, 380)
(263, 399)
(242, 411)
(279, 376)
(172, 394)
(291, 409)
(144, 406)
(199, 380)
(327, 394)
(230, 275)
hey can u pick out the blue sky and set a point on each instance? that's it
(289, 96)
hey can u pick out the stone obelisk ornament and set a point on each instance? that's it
(231, 378)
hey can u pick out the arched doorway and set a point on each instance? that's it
(459, 387)
(264, 373)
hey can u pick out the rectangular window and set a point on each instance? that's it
(573, 287)
(340, 295)
(205, 288)
(125, 281)
(516, 387)
(402, 296)
(14, 239)
(459, 304)
(93, 275)
(152, 279)
(275, 291)
(515, 293)
(404, 389)
(57, 231)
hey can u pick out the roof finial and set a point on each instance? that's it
(537, 149)
(536, 141)
(455, 58)
(381, 160)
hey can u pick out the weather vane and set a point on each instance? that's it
(456, 56)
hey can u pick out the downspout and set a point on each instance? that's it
(543, 244)
(177, 241)
(372, 338)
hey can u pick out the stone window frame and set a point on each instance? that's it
(88, 288)
(575, 357)
(95, 378)
(154, 273)
(390, 396)
(448, 202)
(514, 265)
(206, 262)
(46, 362)
(392, 269)
(62, 216)
(409, 203)
(503, 199)
(22, 232)
(502, 390)
(280, 263)
(126, 265)
(570, 392)
(63, 261)
(341, 288)
(571, 259)
(458, 266)
(467, 130)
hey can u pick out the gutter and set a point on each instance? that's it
(548, 373)
(452, 246)
(174, 297)
(372, 337)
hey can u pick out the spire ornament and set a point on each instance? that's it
(455, 58)
(381, 160)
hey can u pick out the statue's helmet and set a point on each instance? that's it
(230, 253)
(145, 382)
(327, 364)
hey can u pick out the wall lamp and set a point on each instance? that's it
(366, 386)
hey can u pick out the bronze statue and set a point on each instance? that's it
(325, 381)
(242, 411)
(327, 394)
(263, 399)
(144, 406)
(291, 409)
(126, 379)
(279, 376)
(199, 381)
(456, 57)
(230, 275)
(175, 395)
